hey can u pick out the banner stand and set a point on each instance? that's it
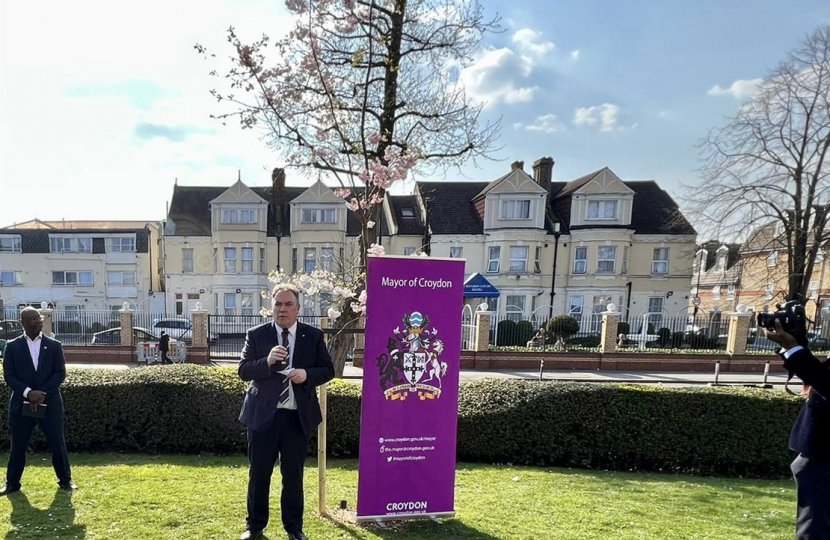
(379, 520)
(409, 401)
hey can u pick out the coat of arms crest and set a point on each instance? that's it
(411, 364)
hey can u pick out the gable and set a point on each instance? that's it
(238, 193)
(605, 182)
(516, 182)
(318, 193)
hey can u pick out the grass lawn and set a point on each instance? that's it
(140, 497)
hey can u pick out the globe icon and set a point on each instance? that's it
(416, 319)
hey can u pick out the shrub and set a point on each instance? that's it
(586, 341)
(189, 409)
(67, 327)
(677, 339)
(623, 328)
(562, 327)
(524, 331)
(506, 333)
(664, 336)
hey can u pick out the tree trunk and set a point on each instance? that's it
(341, 342)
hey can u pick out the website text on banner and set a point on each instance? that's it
(409, 414)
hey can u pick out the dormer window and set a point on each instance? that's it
(722, 262)
(515, 209)
(239, 216)
(407, 213)
(318, 215)
(602, 210)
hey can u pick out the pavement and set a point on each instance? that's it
(672, 378)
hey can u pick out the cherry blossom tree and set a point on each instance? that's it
(364, 92)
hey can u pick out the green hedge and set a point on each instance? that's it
(187, 409)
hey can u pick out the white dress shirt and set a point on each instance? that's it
(292, 339)
(34, 350)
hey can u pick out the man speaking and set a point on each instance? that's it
(285, 361)
(810, 437)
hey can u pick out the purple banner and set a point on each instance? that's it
(409, 412)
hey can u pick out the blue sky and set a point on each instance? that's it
(102, 108)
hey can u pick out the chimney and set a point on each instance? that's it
(543, 172)
(517, 165)
(278, 199)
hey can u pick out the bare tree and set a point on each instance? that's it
(364, 91)
(766, 168)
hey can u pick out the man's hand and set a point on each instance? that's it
(778, 335)
(277, 354)
(36, 397)
(297, 376)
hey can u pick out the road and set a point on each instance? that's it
(674, 379)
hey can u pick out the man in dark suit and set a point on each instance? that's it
(34, 368)
(810, 437)
(164, 347)
(285, 361)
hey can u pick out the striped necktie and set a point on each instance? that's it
(285, 384)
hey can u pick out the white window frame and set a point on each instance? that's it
(230, 262)
(660, 261)
(598, 210)
(318, 215)
(518, 301)
(239, 216)
(721, 262)
(606, 259)
(78, 275)
(772, 259)
(730, 292)
(326, 258)
(187, 260)
(813, 289)
(515, 210)
(247, 308)
(262, 261)
(456, 252)
(10, 244)
(624, 265)
(117, 245)
(309, 260)
(580, 263)
(407, 251)
(229, 307)
(493, 259)
(716, 292)
(16, 278)
(769, 289)
(518, 264)
(247, 260)
(537, 261)
(120, 278)
(70, 244)
(576, 305)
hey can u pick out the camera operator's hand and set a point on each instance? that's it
(778, 335)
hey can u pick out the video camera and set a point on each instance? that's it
(793, 320)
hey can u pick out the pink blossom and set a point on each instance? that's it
(370, 224)
(376, 250)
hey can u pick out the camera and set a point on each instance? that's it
(793, 320)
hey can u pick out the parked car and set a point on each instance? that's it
(10, 329)
(113, 336)
(179, 329)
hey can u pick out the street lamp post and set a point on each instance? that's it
(556, 235)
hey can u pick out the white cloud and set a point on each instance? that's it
(495, 78)
(605, 115)
(546, 124)
(103, 118)
(740, 89)
(575, 55)
(531, 40)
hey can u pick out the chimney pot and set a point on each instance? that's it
(543, 172)
(517, 165)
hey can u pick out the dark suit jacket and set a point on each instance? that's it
(261, 398)
(811, 433)
(19, 372)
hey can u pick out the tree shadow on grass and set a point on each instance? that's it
(57, 521)
(408, 529)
